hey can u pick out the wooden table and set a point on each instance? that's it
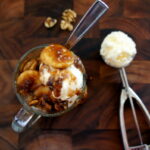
(95, 124)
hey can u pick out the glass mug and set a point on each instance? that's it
(28, 115)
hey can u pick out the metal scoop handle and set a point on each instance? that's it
(125, 94)
(123, 99)
(141, 105)
(126, 86)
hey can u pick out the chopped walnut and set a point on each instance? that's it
(65, 25)
(69, 15)
(50, 22)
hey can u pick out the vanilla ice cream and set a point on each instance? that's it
(62, 71)
(118, 49)
(71, 81)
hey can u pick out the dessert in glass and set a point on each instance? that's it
(51, 79)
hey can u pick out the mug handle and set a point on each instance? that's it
(23, 120)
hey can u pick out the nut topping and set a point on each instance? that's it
(50, 22)
(69, 15)
(65, 25)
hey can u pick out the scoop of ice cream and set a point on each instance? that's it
(66, 84)
(62, 71)
(118, 49)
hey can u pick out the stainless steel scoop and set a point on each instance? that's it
(128, 93)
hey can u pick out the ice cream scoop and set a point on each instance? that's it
(118, 50)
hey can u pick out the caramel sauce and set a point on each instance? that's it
(50, 84)
(61, 53)
(78, 92)
(71, 92)
(57, 87)
(78, 64)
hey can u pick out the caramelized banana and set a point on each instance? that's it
(42, 91)
(33, 102)
(29, 65)
(22, 65)
(29, 98)
(57, 56)
(28, 80)
(48, 107)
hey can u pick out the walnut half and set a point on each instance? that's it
(65, 25)
(69, 15)
(50, 22)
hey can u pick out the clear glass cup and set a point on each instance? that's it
(28, 115)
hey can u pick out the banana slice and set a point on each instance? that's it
(42, 91)
(28, 65)
(33, 102)
(28, 80)
(57, 56)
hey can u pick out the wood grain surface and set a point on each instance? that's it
(93, 125)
